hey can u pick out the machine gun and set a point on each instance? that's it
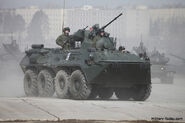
(97, 31)
(85, 28)
(102, 28)
(178, 57)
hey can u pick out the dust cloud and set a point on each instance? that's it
(11, 79)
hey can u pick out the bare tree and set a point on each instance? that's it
(10, 22)
(38, 27)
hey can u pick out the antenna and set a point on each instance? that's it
(141, 38)
(63, 14)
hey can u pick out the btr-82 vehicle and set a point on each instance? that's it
(160, 67)
(86, 71)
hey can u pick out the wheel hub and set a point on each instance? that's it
(61, 83)
(42, 81)
(29, 81)
(77, 85)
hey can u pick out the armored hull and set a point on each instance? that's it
(92, 68)
(102, 70)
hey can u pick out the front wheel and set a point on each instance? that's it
(141, 92)
(168, 78)
(45, 84)
(79, 88)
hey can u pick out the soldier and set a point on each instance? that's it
(64, 40)
(102, 33)
(93, 30)
(122, 49)
(98, 37)
(141, 49)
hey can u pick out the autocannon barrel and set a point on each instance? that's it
(112, 21)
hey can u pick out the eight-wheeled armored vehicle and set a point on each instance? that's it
(10, 52)
(86, 71)
(160, 67)
(10, 55)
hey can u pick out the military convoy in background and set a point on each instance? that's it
(10, 52)
(160, 67)
(86, 70)
(178, 57)
(10, 56)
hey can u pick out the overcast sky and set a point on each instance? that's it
(78, 3)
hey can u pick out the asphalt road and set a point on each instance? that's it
(53, 109)
(166, 103)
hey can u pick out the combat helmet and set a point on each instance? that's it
(66, 28)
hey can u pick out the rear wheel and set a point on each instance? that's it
(62, 84)
(30, 83)
(123, 93)
(45, 84)
(79, 88)
(105, 93)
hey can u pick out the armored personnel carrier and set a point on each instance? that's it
(160, 68)
(86, 71)
(9, 52)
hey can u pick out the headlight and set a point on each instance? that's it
(163, 68)
(89, 62)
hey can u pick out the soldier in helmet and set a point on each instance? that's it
(102, 33)
(64, 40)
(93, 30)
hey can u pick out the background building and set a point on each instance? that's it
(155, 27)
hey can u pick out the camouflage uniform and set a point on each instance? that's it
(95, 28)
(64, 39)
(98, 37)
(95, 39)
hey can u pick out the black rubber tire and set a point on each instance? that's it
(123, 93)
(62, 84)
(45, 84)
(30, 83)
(79, 88)
(141, 92)
(105, 93)
(168, 78)
(94, 93)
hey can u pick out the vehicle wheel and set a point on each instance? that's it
(105, 93)
(30, 83)
(79, 88)
(123, 93)
(141, 92)
(62, 84)
(45, 84)
(168, 79)
(94, 93)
